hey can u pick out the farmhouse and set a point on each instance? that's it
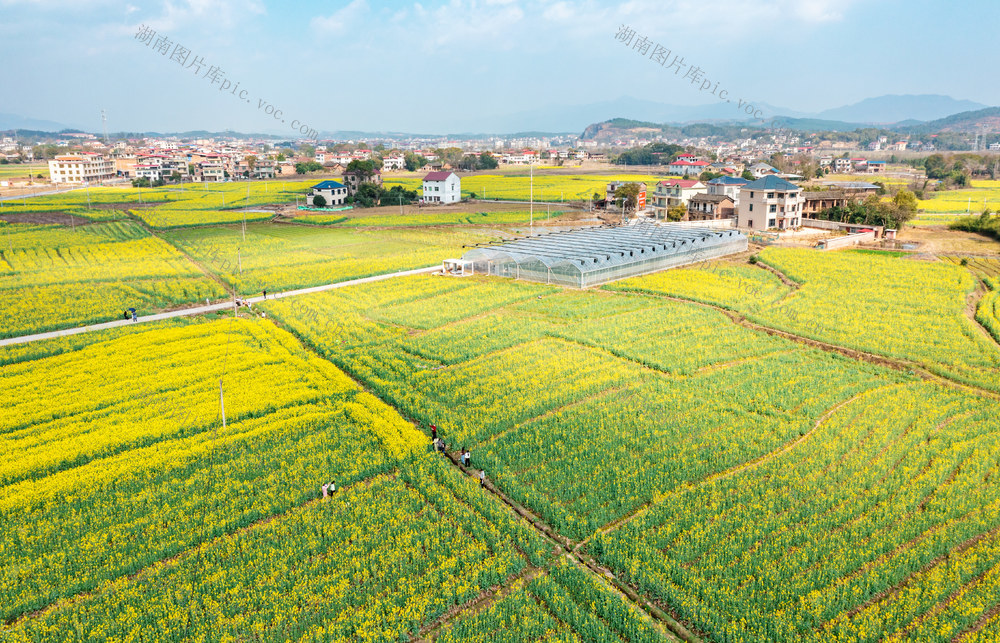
(353, 180)
(672, 192)
(686, 167)
(442, 187)
(727, 186)
(333, 192)
(710, 207)
(769, 203)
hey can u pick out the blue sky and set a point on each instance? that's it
(425, 66)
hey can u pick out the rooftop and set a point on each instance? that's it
(590, 256)
(771, 182)
(728, 180)
(328, 185)
(438, 176)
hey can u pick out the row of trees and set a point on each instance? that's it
(874, 211)
(984, 223)
(370, 195)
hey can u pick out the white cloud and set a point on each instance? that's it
(339, 21)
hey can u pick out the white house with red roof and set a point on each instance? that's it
(672, 192)
(684, 167)
(442, 187)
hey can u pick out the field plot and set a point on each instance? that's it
(283, 257)
(218, 203)
(558, 187)
(735, 286)
(130, 465)
(375, 562)
(563, 605)
(172, 206)
(358, 219)
(898, 307)
(884, 515)
(54, 277)
(120, 489)
(593, 404)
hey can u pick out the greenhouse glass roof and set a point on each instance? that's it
(591, 256)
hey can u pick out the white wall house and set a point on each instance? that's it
(333, 191)
(770, 203)
(393, 163)
(442, 187)
(727, 186)
(673, 192)
(81, 168)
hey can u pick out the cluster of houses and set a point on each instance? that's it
(770, 202)
(438, 188)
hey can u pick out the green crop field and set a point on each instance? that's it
(798, 449)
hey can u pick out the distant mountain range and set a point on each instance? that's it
(15, 121)
(918, 111)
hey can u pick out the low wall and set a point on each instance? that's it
(714, 224)
(844, 242)
(823, 224)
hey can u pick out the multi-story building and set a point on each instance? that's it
(353, 180)
(770, 203)
(333, 193)
(81, 168)
(727, 186)
(710, 207)
(210, 171)
(674, 192)
(393, 163)
(442, 187)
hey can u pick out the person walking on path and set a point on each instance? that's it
(482, 477)
(265, 294)
(434, 431)
(135, 317)
(326, 487)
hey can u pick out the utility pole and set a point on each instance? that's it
(531, 198)
(222, 405)
(104, 120)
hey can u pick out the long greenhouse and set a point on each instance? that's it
(593, 256)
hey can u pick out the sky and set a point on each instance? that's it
(446, 66)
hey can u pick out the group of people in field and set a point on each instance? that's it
(464, 456)
(464, 459)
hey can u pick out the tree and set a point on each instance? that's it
(368, 195)
(627, 196)
(676, 213)
(175, 176)
(708, 175)
(307, 150)
(487, 161)
(281, 156)
(413, 162)
(748, 175)
(319, 201)
(935, 167)
(468, 162)
(906, 201)
(364, 169)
